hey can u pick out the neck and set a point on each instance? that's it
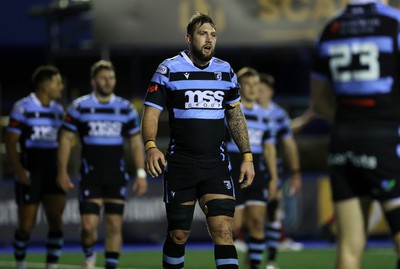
(247, 104)
(264, 104)
(43, 98)
(103, 98)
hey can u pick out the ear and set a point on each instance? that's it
(188, 39)
(92, 83)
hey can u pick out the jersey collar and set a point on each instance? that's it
(36, 100)
(112, 99)
(185, 55)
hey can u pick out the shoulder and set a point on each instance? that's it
(388, 11)
(222, 64)
(83, 99)
(123, 102)
(58, 107)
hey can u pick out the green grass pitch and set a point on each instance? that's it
(376, 258)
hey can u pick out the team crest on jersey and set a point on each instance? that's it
(218, 75)
(162, 69)
(228, 184)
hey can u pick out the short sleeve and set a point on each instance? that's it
(320, 62)
(71, 119)
(17, 119)
(233, 96)
(132, 126)
(156, 95)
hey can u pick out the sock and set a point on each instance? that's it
(272, 236)
(21, 241)
(173, 254)
(256, 249)
(226, 257)
(111, 259)
(398, 264)
(55, 241)
(88, 250)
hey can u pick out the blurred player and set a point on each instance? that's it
(355, 84)
(251, 202)
(34, 124)
(199, 91)
(102, 120)
(283, 137)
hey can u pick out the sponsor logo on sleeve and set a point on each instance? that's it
(162, 69)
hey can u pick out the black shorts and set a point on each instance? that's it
(365, 161)
(189, 180)
(88, 190)
(257, 192)
(43, 182)
(95, 172)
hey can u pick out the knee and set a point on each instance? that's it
(179, 236)
(256, 224)
(114, 227)
(353, 245)
(221, 231)
(88, 228)
(26, 227)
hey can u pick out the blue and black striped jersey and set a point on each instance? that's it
(196, 100)
(358, 54)
(102, 126)
(38, 125)
(280, 121)
(260, 130)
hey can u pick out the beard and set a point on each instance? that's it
(198, 53)
(104, 91)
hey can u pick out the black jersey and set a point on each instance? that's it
(196, 100)
(358, 54)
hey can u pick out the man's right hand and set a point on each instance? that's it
(22, 176)
(155, 162)
(64, 182)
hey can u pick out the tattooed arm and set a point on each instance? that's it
(238, 129)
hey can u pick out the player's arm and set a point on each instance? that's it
(292, 155)
(136, 149)
(301, 121)
(323, 99)
(22, 175)
(64, 151)
(269, 154)
(155, 160)
(238, 130)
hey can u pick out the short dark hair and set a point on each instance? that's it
(100, 65)
(42, 74)
(267, 79)
(198, 19)
(246, 72)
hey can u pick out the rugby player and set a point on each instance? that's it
(200, 92)
(102, 120)
(283, 137)
(251, 202)
(355, 84)
(34, 124)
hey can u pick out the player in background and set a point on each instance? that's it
(102, 120)
(251, 203)
(284, 138)
(34, 124)
(200, 92)
(355, 85)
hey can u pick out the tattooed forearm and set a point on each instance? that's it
(238, 128)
